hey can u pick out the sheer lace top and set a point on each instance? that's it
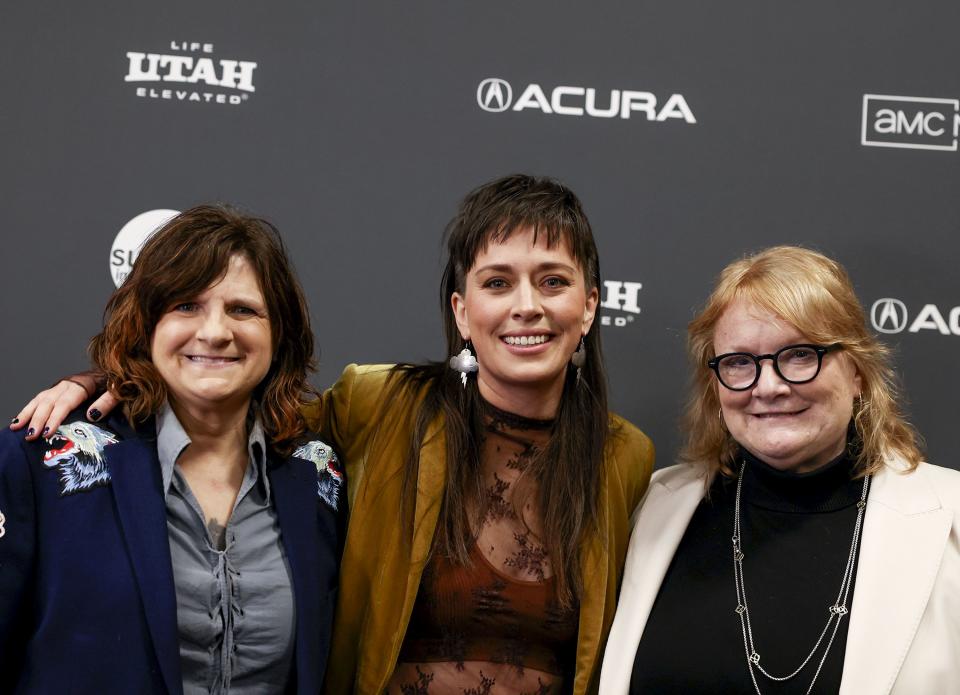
(495, 625)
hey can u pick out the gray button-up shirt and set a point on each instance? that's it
(235, 608)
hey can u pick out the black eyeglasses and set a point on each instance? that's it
(795, 364)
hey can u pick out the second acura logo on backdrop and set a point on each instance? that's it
(495, 94)
(890, 315)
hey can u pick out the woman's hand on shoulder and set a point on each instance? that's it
(47, 410)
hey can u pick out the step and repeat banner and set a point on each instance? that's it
(694, 132)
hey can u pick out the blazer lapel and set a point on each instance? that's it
(295, 496)
(661, 521)
(905, 532)
(593, 602)
(431, 477)
(135, 473)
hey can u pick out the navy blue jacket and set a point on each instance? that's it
(87, 599)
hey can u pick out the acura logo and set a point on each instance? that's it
(494, 95)
(889, 315)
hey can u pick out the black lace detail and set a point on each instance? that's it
(524, 458)
(529, 557)
(486, 684)
(501, 419)
(420, 687)
(512, 653)
(453, 647)
(489, 601)
(497, 506)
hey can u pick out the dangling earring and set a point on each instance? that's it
(464, 363)
(579, 358)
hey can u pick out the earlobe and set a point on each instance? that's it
(459, 307)
(857, 380)
(590, 309)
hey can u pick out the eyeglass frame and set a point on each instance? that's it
(821, 350)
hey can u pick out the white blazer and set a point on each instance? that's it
(904, 633)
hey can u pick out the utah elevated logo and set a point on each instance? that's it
(190, 73)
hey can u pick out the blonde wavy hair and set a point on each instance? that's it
(814, 294)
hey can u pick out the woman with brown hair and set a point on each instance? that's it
(188, 545)
(802, 546)
(490, 496)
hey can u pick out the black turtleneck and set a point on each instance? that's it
(796, 530)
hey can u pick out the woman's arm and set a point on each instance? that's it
(46, 411)
(329, 416)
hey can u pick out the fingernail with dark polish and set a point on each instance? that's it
(45, 430)
(94, 414)
(14, 421)
(30, 432)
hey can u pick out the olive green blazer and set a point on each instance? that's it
(384, 558)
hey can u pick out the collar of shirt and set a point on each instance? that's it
(172, 439)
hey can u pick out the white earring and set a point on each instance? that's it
(464, 363)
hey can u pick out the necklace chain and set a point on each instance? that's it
(836, 612)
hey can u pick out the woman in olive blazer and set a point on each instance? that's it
(382, 565)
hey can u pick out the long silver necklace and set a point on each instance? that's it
(836, 612)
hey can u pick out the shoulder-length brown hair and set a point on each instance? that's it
(569, 470)
(814, 294)
(187, 255)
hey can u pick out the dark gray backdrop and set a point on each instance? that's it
(365, 129)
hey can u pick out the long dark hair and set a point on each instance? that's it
(569, 468)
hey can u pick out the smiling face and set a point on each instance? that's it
(796, 427)
(213, 349)
(524, 307)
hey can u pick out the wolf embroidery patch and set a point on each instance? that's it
(76, 450)
(329, 472)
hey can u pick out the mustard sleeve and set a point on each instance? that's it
(329, 416)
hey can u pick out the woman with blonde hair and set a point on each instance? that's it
(802, 545)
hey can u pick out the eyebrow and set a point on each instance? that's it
(249, 301)
(245, 300)
(795, 341)
(508, 268)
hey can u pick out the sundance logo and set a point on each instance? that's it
(890, 315)
(496, 95)
(131, 238)
(195, 76)
(919, 123)
(621, 296)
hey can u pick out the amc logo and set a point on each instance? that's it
(920, 123)
(889, 315)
